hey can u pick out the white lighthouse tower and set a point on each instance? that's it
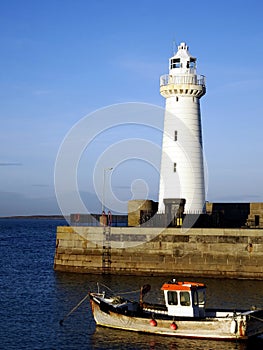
(182, 168)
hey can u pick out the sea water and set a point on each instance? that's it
(34, 298)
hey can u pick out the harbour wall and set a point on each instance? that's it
(204, 252)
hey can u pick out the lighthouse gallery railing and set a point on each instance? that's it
(182, 79)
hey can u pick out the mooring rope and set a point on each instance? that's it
(74, 309)
(132, 291)
(256, 318)
(119, 293)
(104, 285)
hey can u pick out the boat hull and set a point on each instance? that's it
(224, 328)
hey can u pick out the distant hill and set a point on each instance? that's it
(45, 217)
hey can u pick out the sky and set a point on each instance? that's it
(64, 60)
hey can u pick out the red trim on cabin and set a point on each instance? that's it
(182, 286)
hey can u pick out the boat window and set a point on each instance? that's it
(184, 299)
(172, 298)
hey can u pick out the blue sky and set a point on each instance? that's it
(61, 60)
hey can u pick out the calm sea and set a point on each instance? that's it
(34, 298)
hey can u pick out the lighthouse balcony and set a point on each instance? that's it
(184, 85)
(188, 79)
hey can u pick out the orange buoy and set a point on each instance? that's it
(153, 322)
(173, 326)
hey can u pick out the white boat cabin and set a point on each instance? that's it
(185, 298)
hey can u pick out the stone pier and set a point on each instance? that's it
(226, 253)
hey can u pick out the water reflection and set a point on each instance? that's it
(105, 338)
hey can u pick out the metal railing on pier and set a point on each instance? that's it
(95, 220)
(217, 219)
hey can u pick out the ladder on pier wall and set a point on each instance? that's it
(106, 250)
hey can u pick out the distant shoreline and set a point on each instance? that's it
(38, 217)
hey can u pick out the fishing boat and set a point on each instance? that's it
(183, 314)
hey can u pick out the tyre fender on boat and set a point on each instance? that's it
(233, 327)
(242, 328)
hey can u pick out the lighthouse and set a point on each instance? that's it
(182, 165)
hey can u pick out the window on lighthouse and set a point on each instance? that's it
(175, 63)
(174, 167)
(175, 135)
(191, 63)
